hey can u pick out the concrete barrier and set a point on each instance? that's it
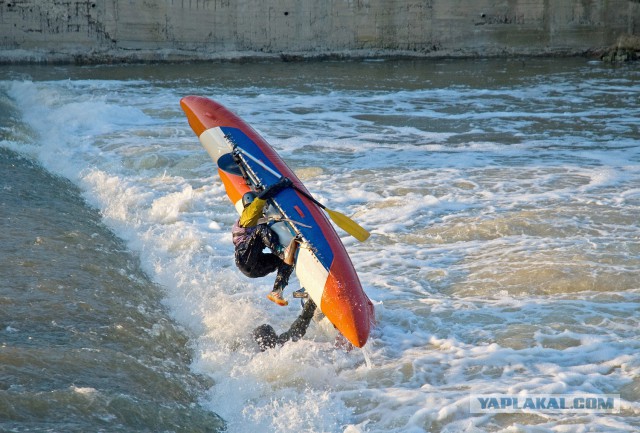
(130, 30)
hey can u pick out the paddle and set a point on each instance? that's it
(341, 220)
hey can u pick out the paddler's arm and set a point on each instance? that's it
(299, 327)
(252, 213)
(267, 338)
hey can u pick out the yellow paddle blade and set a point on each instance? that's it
(348, 225)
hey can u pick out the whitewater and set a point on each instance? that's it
(502, 197)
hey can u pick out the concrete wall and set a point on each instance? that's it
(104, 30)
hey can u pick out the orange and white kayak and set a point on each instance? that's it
(246, 162)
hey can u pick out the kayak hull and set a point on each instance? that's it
(322, 265)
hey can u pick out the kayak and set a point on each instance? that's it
(247, 162)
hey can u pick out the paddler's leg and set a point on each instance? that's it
(282, 279)
(269, 239)
(284, 262)
(251, 259)
(254, 263)
(284, 272)
(289, 255)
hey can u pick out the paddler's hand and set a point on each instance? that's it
(274, 189)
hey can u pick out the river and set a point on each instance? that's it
(502, 197)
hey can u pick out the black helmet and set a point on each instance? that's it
(247, 198)
(265, 336)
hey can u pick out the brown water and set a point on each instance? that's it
(85, 343)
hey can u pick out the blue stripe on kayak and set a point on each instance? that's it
(287, 199)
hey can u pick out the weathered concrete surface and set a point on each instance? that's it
(126, 30)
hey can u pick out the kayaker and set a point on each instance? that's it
(251, 235)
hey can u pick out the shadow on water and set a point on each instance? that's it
(85, 343)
